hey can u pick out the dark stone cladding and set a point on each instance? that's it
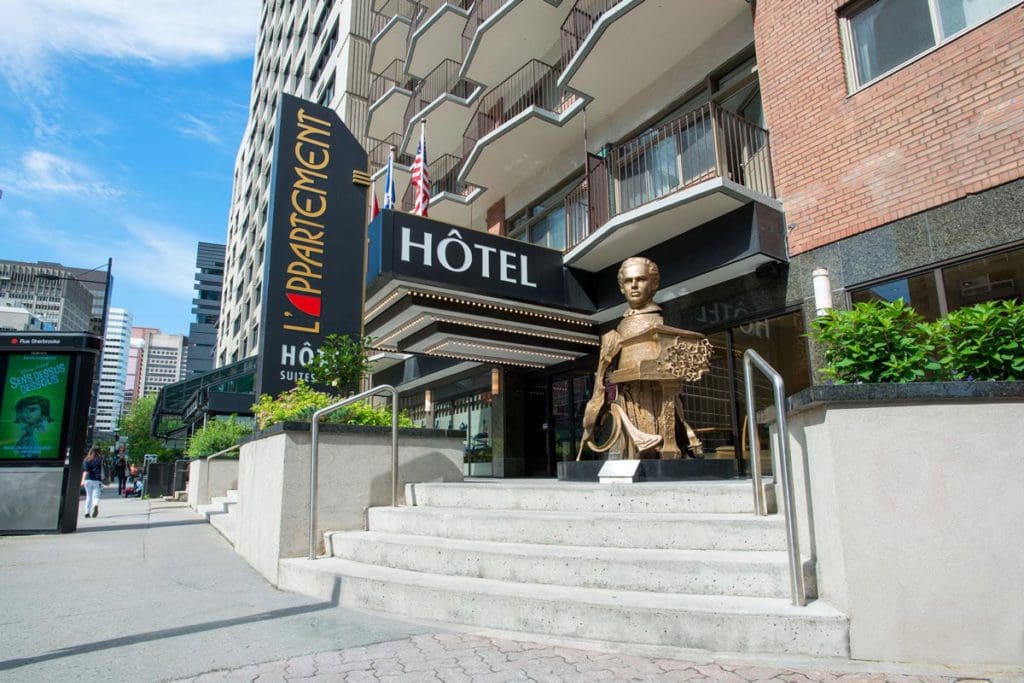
(888, 393)
(976, 223)
(332, 428)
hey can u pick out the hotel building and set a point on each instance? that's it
(739, 145)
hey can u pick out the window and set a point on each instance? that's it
(935, 292)
(544, 221)
(884, 35)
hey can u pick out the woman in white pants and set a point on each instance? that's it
(92, 480)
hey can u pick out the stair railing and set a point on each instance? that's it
(753, 359)
(315, 445)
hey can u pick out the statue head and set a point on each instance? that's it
(638, 281)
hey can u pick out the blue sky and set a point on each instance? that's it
(120, 121)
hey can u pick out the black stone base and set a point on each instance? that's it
(655, 470)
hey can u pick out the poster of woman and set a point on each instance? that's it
(32, 406)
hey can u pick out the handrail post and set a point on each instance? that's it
(752, 358)
(314, 452)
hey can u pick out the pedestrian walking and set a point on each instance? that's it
(92, 480)
(121, 470)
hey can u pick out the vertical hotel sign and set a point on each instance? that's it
(313, 268)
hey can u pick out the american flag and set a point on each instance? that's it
(421, 176)
(389, 182)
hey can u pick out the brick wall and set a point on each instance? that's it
(947, 125)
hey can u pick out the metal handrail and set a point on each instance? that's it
(218, 454)
(751, 359)
(314, 454)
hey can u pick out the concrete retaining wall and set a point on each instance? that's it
(354, 474)
(210, 478)
(917, 513)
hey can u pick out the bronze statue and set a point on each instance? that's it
(651, 361)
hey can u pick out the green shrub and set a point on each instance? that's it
(876, 342)
(299, 404)
(982, 342)
(340, 362)
(217, 435)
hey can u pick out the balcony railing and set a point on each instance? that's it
(481, 12)
(388, 11)
(534, 85)
(578, 24)
(444, 174)
(707, 143)
(379, 149)
(391, 76)
(444, 79)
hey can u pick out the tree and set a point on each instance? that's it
(341, 362)
(135, 425)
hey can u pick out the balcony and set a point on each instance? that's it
(613, 49)
(665, 182)
(390, 91)
(450, 199)
(445, 99)
(520, 128)
(435, 34)
(390, 29)
(502, 34)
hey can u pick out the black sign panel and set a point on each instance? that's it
(312, 280)
(417, 249)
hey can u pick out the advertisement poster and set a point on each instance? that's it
(32, 406)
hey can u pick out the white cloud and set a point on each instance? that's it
(194, 127)
(162, 32)
(157, 256)
(48, 174)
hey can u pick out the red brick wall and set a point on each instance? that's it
(947, 125)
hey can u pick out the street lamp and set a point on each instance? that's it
(103, 330)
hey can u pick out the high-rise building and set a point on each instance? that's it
(53, 293)
(202, 333)
(113, 371)
(314, 49)
(740, 146)
(155, 359)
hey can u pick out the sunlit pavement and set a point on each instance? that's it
(148, 591)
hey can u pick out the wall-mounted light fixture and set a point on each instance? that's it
(428, 401)
(822, 291)
(495, 381)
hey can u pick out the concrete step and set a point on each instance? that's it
(698, 572)
(680, 531)
(227, 523)
(649, 497)
(714, 623)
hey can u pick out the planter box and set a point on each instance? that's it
(208, 479)
(354, 474)
(918, 514)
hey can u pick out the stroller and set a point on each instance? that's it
(133, 487)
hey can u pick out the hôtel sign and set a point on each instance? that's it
(314, 253)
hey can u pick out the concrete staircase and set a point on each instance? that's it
(222, 513)
(683, 564)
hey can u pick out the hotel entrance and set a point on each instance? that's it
(554, 419)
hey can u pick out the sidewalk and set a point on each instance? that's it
(148, 591)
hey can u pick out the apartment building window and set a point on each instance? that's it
(936, 291)
(883, 35)
(544, 222)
